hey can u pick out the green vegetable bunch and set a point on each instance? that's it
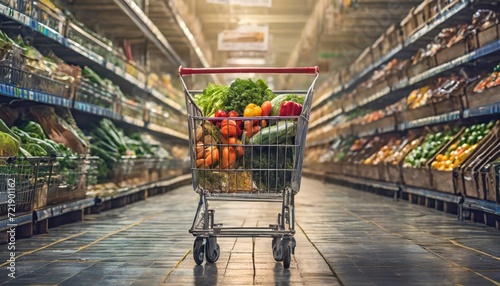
(213, 98)
(243, 92)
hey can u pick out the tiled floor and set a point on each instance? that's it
(343, 236)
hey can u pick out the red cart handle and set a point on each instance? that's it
(301, 70)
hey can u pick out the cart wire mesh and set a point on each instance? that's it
(22, 177)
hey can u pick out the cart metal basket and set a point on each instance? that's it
(268, 168)
(24, 182)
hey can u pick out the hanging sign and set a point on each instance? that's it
(244, 38)
(249, 3)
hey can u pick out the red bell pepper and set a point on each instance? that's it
(290, 108)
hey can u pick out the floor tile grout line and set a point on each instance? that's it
(46, 246)
(463, 267)
(324, 258)
(118, 231)
(175, 266)
(429, 250)
(454, 242)
(473, 249)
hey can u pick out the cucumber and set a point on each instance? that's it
(275, 134)
(102, 154)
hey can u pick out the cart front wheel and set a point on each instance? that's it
(212, 250)
(277, 253)
(198, 250)
(286, 247)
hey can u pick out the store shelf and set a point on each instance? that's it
(74, 53)
(405, 84)
(18, 220)
(325, 118)
(480, 205)
(97, 110)
(431, 194)
(134, 12)
(483, 110)
(432, 120)
(64, 208)
(33, 95)
(458, 13)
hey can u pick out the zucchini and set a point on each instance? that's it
(275, 134)
(106, 147)
(96, 151)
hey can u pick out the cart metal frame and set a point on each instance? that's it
(282, 233)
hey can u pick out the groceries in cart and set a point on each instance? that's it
(245, 137)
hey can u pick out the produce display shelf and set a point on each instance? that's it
(18, 220)
(97, 110)
(490, 109)
(168, 131)
(104, 112)
(404, 84)
(363, 75)
(481, 205)
(482, 110)
(33, 95)
(431, 120)
(135, 13)
(326, 118)
(366, 182)
(133, 190)
(409, 47)
(431, 194)
(84, 56)
(57, 210)
(327, 95)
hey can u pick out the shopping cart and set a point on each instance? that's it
(269, 167)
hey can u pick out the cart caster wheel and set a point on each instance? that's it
(213, 255)
(277, 253)
(286, 246)
(198, 250)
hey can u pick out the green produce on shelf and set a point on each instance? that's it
(459, 151)
(431, 145)
(35, 128)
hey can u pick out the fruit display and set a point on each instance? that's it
(400, 153)
(385, 152)
(491, 80)
(431, 144)
(460, 150)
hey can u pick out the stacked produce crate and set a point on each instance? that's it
(425, 122)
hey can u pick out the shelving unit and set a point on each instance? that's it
(333, 119)
(449, 17)
(74, 53)
(395, 93)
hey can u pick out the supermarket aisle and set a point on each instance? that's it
(366, 240)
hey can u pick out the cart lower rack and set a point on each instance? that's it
(255, 158)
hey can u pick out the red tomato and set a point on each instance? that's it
(266, 108)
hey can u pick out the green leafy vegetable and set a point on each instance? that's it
(213, 98)
(8, 144)
(243, 92)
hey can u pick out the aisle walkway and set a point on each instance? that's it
(344, 237)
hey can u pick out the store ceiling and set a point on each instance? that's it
(342, 33)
